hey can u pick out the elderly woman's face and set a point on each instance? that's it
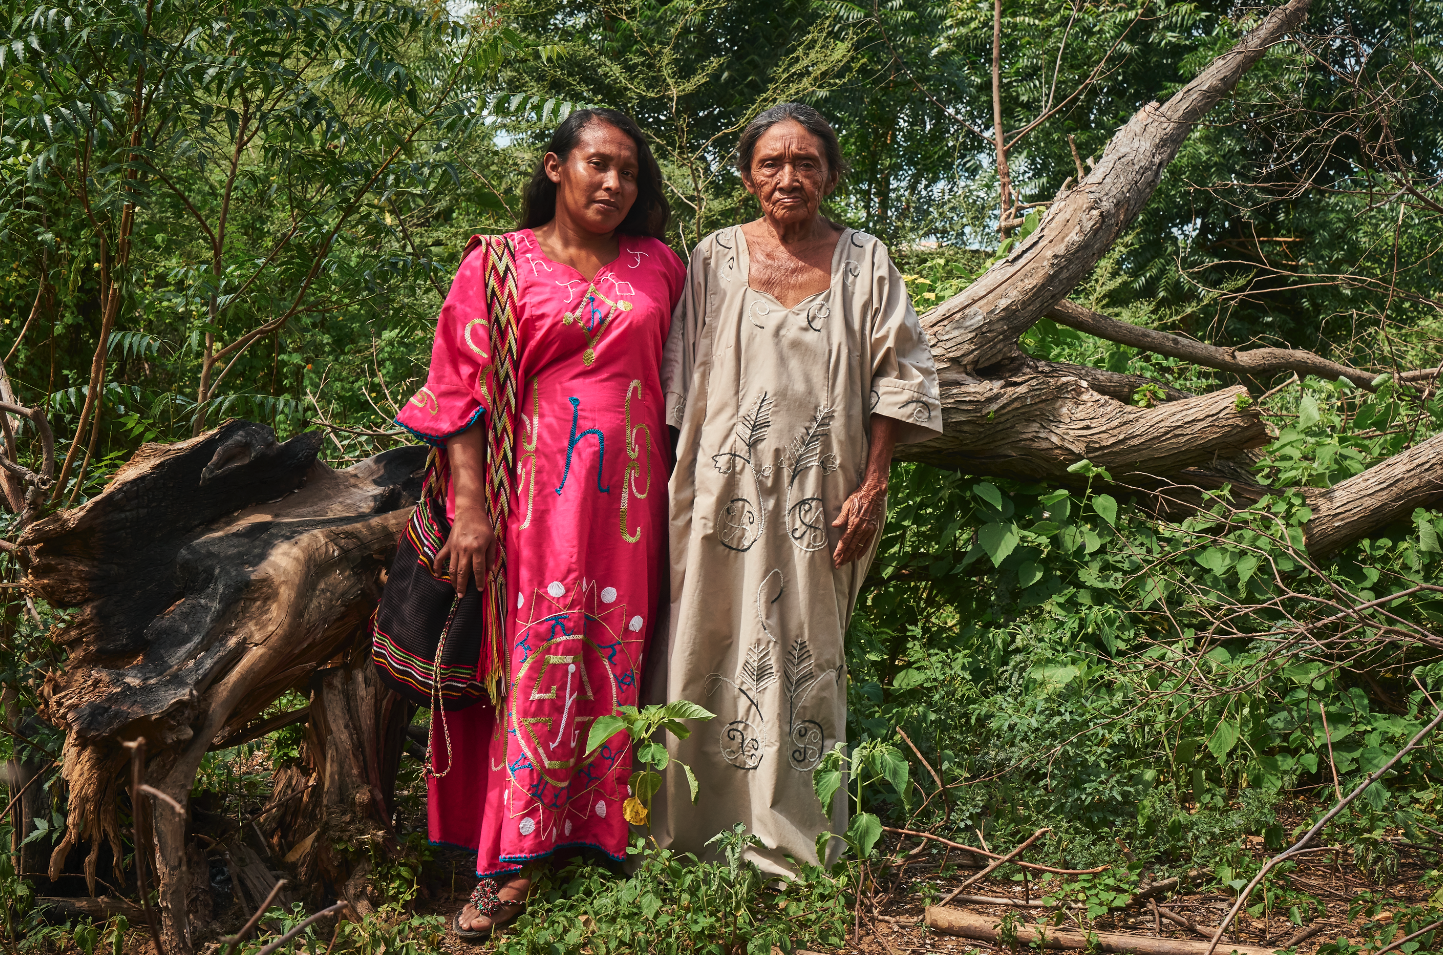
(789, 174)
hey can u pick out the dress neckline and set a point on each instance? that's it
(744, 266)
(620, 251)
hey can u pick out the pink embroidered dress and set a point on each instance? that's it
(586, 545)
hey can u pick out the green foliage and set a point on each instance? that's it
(673, 904)
(642, 726)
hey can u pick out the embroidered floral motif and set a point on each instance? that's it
(633, 464)
(807, 519)
(741, 743)
(743, 521)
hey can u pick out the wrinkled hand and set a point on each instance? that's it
(861, 516)
(470, 550)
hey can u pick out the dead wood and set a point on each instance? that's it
(1034, 423)
(1250, 363)
(1374, 499)
(210, 577)
(101, 908)
(342, 794)
(986, 928)
(980, 325)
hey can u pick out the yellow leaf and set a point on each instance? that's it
(634, 812)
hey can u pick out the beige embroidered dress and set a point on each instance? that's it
(773, 406)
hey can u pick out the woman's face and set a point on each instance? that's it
(789, 174)
(596, 183)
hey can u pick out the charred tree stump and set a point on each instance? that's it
(343, 791)
(210, 577)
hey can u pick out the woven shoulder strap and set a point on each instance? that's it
(499, 388)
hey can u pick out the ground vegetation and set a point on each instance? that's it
(1156, 651)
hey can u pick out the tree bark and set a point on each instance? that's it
(1034, 423)
(987, 928)
(346, 779)
(1249, 363)
(1376, 498)
(980, 325)
(193, 616)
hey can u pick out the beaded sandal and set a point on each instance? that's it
(489, 904)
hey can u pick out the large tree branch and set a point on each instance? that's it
(1376, 498)
(980, 325)
(1250, 363)
(1036, 422)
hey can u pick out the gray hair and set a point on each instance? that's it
(810, 120)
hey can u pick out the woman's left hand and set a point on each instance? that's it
(862, 512)
(861, 517)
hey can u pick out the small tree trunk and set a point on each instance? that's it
(347, 777)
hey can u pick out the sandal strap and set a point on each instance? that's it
(487, 900)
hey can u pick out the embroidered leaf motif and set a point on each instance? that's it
(757, 670)
(753, 427)
(800, 673)
(806, 448)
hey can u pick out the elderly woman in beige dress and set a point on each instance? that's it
(794, 366)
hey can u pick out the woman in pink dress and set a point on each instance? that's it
(586, 534)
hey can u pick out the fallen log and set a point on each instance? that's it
(1376, 498)
(987, 928)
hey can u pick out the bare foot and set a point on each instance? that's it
(512, 894)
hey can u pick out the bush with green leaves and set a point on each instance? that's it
(674, 905)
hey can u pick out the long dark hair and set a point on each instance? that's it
(649, 214)
(810, 119)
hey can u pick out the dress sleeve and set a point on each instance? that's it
(451, 400)
(678, 360)
(904, 378)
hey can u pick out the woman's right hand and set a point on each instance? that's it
(469, 551)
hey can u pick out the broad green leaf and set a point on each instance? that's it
(1106, 507)
(988, 493)
(907, 678)
(998, 540)
(1029, 573)
(827, 778)
(602, 730)
(653, 754)
(1427, 533)
(1224, 738)
(691, 782)
(644, 785)
(1308, 413)
(1245, 566)
(686, 710)
(863, 833)
(890, 763)
(1214, 559)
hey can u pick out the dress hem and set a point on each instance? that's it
(517, 862)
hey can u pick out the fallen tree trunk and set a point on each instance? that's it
(979, 326)
(199, 605)
(986, 928)
(1376, 498)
